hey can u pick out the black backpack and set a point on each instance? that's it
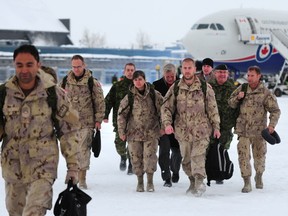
(71, 202)
(218, 164)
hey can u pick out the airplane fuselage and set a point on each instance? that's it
(239, 38)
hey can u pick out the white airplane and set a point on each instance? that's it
(240, 38)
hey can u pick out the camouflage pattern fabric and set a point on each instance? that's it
(114, 97)
(253, 111)
(226, 113)
(194, 156)
(29, 199)
(30, 153)
(85, 144)
(259, 150)
(196, 115)
(209, 78)
(144, 121)
(251, 121)
(79, 96)
(120, 146)
(143, 156)
(29, 149)
(112, 100)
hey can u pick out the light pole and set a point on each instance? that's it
(157, 68)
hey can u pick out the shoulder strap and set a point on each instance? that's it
(176, 88)
(152, 94)
(91, 83)
(52, 102)
(204, 90)
(130, 104)
(2, 96)
(203, 86)
(244, 88)
(2, 101)
(90, 86)
(64, 81)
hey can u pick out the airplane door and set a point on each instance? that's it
(244, 27)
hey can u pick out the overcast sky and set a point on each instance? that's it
(164, 21)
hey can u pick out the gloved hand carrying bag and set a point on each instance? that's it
(96, 143)
(72, 202)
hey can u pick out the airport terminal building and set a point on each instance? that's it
(105, 63)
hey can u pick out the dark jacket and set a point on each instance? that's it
(161, 86)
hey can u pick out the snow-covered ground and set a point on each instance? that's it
(113, 192)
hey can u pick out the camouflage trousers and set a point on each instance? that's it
(259, 150)
(143, 156)
(194, 157)
(121, 146)
(29, 199)
(85, 142)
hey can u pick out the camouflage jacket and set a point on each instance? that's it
(222, 95)
(29, 147)
(253, 111)
(114, 97)
(196, 114)
(79, 95)
(144, 121)
(210, 77)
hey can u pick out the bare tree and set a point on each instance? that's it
(143, 40)
(92, 40)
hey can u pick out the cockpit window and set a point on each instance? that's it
(194, 26)
(213, 27)
(220, 27)
(203, 26)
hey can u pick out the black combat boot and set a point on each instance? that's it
(130, 170)
(123, 165)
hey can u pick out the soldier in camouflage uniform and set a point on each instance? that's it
(30, 153)
(196, 118)
(223, 88)
(252, 120)
(112, 100)
(139, 124)
(91, 108)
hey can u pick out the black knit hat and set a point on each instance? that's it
(208, 61)
(271, 138)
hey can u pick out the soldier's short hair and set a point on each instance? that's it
(255, 68)
(169, 68)
(129, 64)
(188, 60)
(75, 57)
(27, 48)
(138, 73)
